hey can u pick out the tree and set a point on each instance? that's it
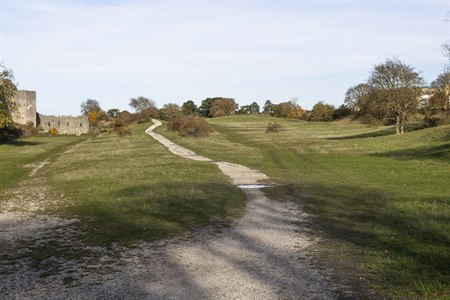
(355, 96)
(141, 103)
(189, 108)
(442, 86)
(288, 109)
(254, 108)
(206, 105)
(112, 113)
(268, 107)
(169, 111)
(7, 92)
(249, 109)
(399, 88)
(223, 107)
(90, 105)
(322, 112)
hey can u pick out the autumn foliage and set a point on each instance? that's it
(192, 126)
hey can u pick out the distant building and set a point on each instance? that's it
(26, 113)
(427, 93)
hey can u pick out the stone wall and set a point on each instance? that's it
(26, 107)
(65, 124)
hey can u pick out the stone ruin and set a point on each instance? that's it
(26, 113)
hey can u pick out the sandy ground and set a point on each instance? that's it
(261, 256)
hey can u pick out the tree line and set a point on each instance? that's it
(393, 93)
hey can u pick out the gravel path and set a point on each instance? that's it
(261, 256)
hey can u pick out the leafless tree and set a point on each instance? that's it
(399, 88)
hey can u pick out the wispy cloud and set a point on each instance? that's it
(174, 51)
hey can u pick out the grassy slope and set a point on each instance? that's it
(382, 200)
(132, 188)
(14, 156)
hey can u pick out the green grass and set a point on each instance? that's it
(14, 156)
(132, 188)
(382, 201)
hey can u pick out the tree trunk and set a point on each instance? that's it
(397, 125)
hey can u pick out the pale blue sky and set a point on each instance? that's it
(172, 51)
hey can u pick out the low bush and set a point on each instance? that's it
(274, 127)
(9, 134)
(432, 121)
(53, 131)
(126, 117)
(192, 126)
(121, 128)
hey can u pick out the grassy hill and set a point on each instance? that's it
(382, 200)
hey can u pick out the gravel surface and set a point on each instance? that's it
(261, 256)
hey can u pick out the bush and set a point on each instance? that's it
(322, 112)
(147, 114)
(274, 127)
(53, 131)
(432, 121)
(121, 128)
(192, 126)
(10, 133)
(126, 117)
(123, 131)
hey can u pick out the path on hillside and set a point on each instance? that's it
(261, 256)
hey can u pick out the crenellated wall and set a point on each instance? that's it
(65, 124)
(26, 113)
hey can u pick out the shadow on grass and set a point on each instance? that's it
(441, 152)
(402, 247)
(156, 211)
(382, 132)
(21, 143)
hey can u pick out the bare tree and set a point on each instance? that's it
(442, 86)
(355, 96)
(90, 105)
(141, 103)
(399, 88)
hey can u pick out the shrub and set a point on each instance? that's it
(322, 112)
(192, 126)
(274, 127)
(432, 121)
(10, 133)
(53, 131)
(121, 128)
(147, 114)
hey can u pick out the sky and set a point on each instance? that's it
(173, 51)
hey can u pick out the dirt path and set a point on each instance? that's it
(261, 256)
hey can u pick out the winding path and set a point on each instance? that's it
(258, 258)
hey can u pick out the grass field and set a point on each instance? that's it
(382, 201)
(127, 189)
(15, 156)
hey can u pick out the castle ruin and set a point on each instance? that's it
(26, 113)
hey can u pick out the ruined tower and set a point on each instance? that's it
(26, 107)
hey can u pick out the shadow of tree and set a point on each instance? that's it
(441, 152)
(406, 248)
(138, 213)
(377, 133)
(21, 143)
